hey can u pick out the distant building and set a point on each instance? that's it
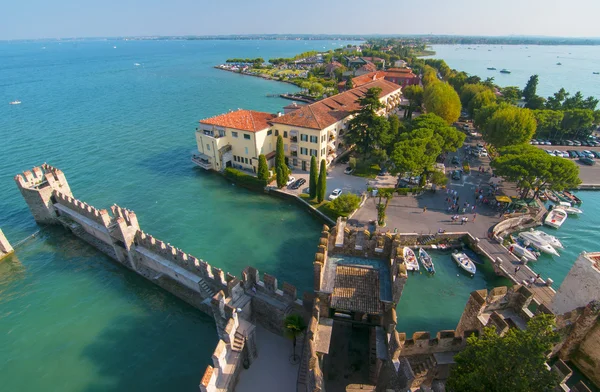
(375, 60)
(367, 68)
(355, 62)
(367, 78)
(402, 76)
(331, 67)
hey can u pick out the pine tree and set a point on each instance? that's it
(322, 184)
(263, 168)
(312, 183)
(281, 169)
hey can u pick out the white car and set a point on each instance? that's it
(335, 194)
(290, 181)
(482, 153)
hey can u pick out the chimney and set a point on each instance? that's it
(279, 114)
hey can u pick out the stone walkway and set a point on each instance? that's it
(272, 370)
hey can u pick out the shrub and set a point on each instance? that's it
(263, 168)
(244, 179)
(352, 163)
(345, 204)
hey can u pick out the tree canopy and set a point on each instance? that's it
(368, 130)
(481, 99)
(507, 125)
(414, 94)
(530, 89)
(515, 362)
(440, 98)
(531, 168)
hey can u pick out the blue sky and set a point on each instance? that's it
(21, 19)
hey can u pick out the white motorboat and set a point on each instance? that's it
(464, 262)
(550, 239)
(425, 259)
(410, 259)
(521, 251)
(538, 243)
(556, 218)
(16, 102)
(563, 205)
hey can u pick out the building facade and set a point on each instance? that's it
(237, 138)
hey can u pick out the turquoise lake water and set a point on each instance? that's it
(70, 318)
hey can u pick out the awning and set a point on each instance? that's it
(503, 199)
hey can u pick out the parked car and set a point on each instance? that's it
(596, 154)
(482, 153)
(455, 160)
(576, 143)
(588, 153)
(348, 170)
(300, 182)
(585, 143)
(570, 143)
(335, 194)
(580, 154)
(456, 175)
(290, 181)
(587, 161)
(573, 154)
(534, 142)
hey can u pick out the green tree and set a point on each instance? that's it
(263, 168)
(312, 181)
(448, 138)
(438, 178)
(316, 89)
(367, 130)
(536, 102)
(441, 99)
(549, 122)
(294, 326)
(484, 98)
(511, 94)
(281, 169)
(345, 204)
(385, 196)
(414, 94)
(352, 163)
(530, 89)
(429, 76)
(469, 91)
(509, 125)
(515, 362)
(578, 122)
(322, 182)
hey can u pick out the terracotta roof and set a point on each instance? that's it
(368, 67)
(400, 73)
(330, 110)
(356, 289)
(244, 120)
(366, 78)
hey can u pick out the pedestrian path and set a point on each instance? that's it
(508, 266)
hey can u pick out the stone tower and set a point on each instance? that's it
(37, 187)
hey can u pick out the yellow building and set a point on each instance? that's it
(235, 139)
(238, 138)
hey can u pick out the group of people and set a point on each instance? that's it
(529, 281)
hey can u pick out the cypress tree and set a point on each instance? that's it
(263, 168)
(312, 183)
(322, 184)
(281, 169)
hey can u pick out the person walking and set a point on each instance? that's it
(517, 268)
(474, 216)
(424, 209)
(472, 208)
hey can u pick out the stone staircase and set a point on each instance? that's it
(302, 370)
(423, 367)
(426, 240)
(206, 288)
(238, 342)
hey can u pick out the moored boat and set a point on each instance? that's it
(15, 102)
(571, 196)
(556, 218)
(551, 196)
(464, 262)
(426, 261)
(550, 239)
(522, 251)
(538, 243)
(492, 68)
(569, 209)
(410, 259)
(505, 71)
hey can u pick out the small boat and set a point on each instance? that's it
(596, 73)
(538, 243)
(505, 71)
(137, 64)
(522, 251)
(551, 196)
(16, 102)
(558, 63)
(556, 218)
(569, 209)
(464, 262)
(571, 196)
(410, 259)
(425, 259)
(560, 196)
(492, 68)
(550, 239)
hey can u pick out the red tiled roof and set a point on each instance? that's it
(330, 110)
(368, 67)
(366, 78)
(244, 120)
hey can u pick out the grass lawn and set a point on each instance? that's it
(367, 171)
(322, 206)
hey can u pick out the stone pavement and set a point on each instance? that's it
(272, 370)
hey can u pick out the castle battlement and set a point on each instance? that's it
(82, 208)
(128, 216)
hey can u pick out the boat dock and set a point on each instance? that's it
(506, 263)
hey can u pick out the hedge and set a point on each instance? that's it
(244, 179)
(399, 191)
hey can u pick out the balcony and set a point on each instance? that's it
(203, 161)
(214, 134)
(294, 139)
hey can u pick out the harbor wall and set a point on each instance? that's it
(235, 304)
(5, 247)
